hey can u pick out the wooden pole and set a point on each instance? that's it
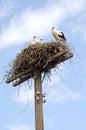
(38, 101)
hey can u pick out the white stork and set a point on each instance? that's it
(36, 40)
(58, 35)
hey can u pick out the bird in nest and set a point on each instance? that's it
(36, 40)
(58, 35)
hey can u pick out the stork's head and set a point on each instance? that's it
(34, 36)
(53, 28)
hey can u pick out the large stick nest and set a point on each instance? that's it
(39, 56)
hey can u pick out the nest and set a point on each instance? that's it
(41, 57)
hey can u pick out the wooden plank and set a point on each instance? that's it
(14, 77)
(21, 80)
(68, 56)
(53, 57)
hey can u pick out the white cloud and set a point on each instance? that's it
(25, 96)
(58, 92)
(20, 127)
(79, 26)
(81, 29)
(6, 8)
(77, 7)
(50, 122)
(29, 23)
(62, 94)
(38, 22)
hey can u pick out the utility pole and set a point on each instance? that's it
(31, 63)
(38, 97)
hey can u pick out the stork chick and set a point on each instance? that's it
(36, 40)
(58, 35)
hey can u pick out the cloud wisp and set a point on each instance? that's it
(37, 22)
(24, 96)
(62, 94)
(20, 127)
(6, 8)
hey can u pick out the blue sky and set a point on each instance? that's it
(66, 93)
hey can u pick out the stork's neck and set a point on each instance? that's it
(34, 37)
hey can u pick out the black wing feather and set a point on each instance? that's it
(62, 36)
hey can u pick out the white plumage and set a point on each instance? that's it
(58, 35)
(36, 40)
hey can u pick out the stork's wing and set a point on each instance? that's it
(62, 36)
(62, 33)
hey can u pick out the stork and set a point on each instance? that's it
(58, 35)
(36, 40)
